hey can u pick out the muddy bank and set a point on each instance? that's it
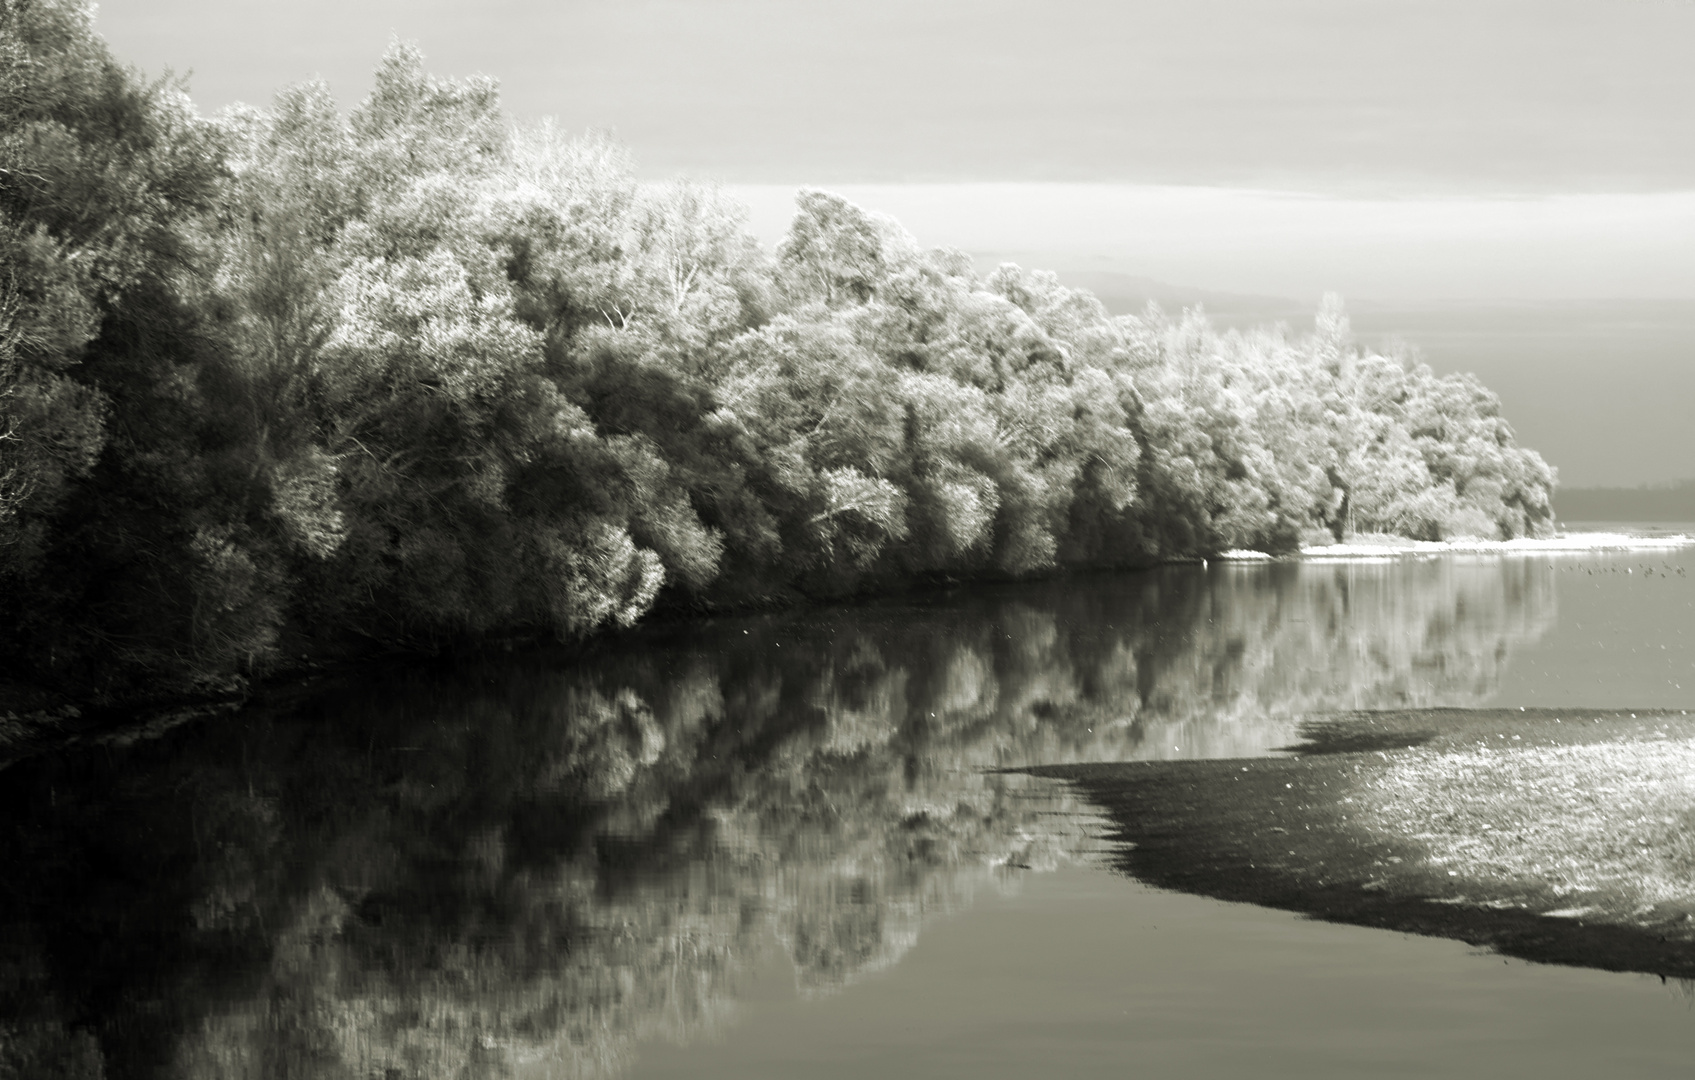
(1557, 835)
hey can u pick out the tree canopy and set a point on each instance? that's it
(289, 379)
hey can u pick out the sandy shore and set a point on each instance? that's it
(1558, 835)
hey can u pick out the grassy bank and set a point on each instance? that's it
(1558, 835)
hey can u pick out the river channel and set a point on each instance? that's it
(773, 846)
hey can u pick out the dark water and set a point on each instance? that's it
(768, 847)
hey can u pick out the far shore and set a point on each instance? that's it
(1382, 546)
(1561, 835)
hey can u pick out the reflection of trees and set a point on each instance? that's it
(527, 868)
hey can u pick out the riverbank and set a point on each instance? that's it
(1556, 835)
(33, 719)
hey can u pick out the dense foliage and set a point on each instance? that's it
(290, 375)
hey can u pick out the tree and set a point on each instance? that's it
(115, 563)
(299, 378)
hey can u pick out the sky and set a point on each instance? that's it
(1416, 157)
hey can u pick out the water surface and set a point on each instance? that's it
(713, 846)
(1082, 974)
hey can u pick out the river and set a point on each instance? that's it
(771, 845)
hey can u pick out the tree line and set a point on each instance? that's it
(1673, 501)
(293, 379)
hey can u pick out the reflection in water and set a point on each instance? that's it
(528, 868)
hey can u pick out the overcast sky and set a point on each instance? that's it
(1332, 95)
(1395, 151)
(1392, 150)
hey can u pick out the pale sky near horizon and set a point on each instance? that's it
(1390, 150)
(1381, 149)
(1632, 245)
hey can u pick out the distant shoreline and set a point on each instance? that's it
(1673, 502)
(1394, 547)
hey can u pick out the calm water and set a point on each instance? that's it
(767, 847)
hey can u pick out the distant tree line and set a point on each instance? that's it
(290, 379)
(1661, 502)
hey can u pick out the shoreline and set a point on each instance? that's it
(1556, 835)
(35, 719)
(1383, 547)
